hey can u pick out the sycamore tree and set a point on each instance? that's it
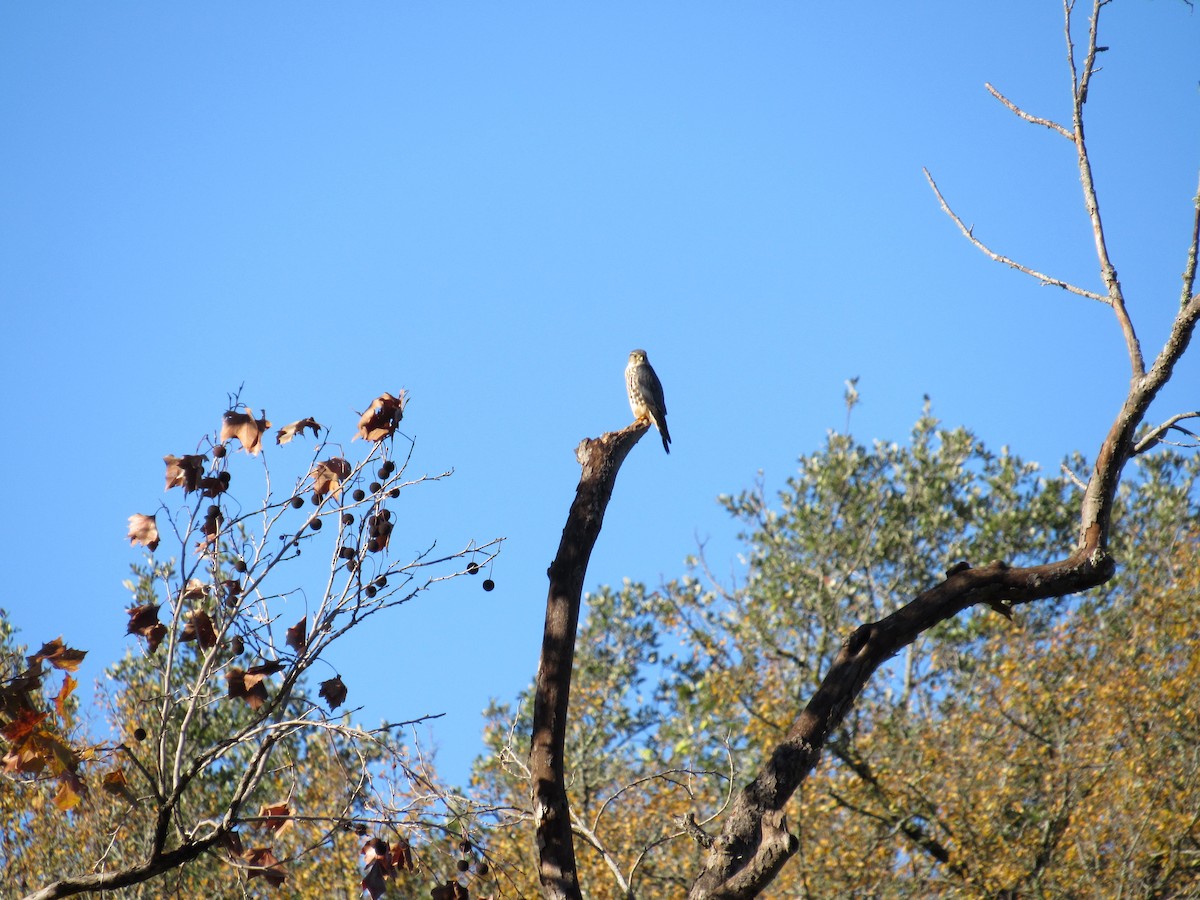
(875, 619)
(227, 758)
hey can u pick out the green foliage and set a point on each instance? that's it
(679, 693)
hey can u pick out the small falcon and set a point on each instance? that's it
(646, 394)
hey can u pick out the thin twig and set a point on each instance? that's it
(1020, 113)
(1000, 258)
(1108, 273)
(1189, 269)
(1155, 435)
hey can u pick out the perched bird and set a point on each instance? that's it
(646, 394)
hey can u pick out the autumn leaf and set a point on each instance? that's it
(263, 863)
(252, 690)
(199, 626)
(143, 621)
(211, 486)
(247, 429)
(268, 668)
(402, 855)
(58, 655)
(378, 861)
(22, 727)
(70, 791)
(60, 701)
(143, 530)
(296, 429)
(185, 471)
(382, 417)
(195, 589)
(114, 783)
(297, 635)
(374, 882)
(327, 477)
(276, 818)
(334, 692)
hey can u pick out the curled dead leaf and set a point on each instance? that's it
(262, 863)
(327, 477)
(402, 855)
(378, 862)
(276, 817)
(71, 791)
(297, 635)
(143, 621)
(211, 486)
(246, 687)
(333, 692)
(58, 655)
(143, 530)
(195, 589)
(247, 429)
(296, 429)
(114, 783)
(382, 417)
(199, 627)
(185, 471)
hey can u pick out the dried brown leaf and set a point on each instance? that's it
(276, 818)
(262, 863)
(296, 429)
(247, 429)
(114, 783)
(143, 530)
(378, 862)
(185, 471)
(297, 635)
(195, 589)
(402, 855)
(70, 791)
(143, 621)
(382, 417)
(333, 692)
(60, 701)
(141, 617)
(327, 477)
(58, 655)
(199, 626)
(374, 880)
(248, 688)
(212, 486)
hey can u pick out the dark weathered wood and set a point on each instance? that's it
(601, 459)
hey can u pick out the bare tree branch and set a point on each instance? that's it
(1107, 272)
(1189, 269)
(1154, 436)
(969, 233)
(1036, 120)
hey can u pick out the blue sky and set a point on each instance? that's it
(490, 205)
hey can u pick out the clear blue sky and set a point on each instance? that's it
(490, 205)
